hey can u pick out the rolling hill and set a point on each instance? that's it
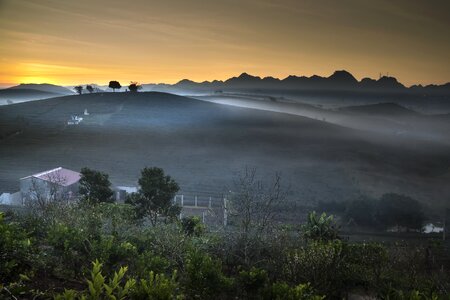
(204, 145)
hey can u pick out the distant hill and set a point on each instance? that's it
(44, 87)
(10, 96)
(386, 109)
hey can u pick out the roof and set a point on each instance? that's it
(61, 176)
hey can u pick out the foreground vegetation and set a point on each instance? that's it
(95, 249)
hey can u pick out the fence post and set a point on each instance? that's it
(203, 217)
(182, 200)
(195, 200)
(225, 213)
(175, 199)
(209, 204)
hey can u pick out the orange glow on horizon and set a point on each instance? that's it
(68, 43)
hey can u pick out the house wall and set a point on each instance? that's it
(31, 187)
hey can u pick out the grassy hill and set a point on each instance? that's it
(204, 145)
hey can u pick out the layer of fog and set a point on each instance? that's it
(407, 125)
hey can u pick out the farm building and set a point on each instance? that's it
(58, 183)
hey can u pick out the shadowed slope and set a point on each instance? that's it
(204, 144)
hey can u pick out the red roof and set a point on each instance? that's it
(61, 176)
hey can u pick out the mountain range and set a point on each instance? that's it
(339, 81)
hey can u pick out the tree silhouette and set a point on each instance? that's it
(78, 89)
(134, 86)
(114, 85)
(89, 88)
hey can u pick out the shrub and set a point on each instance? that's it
(203, 276)
(16, 254)
(320, 263)
(99, 288)
(252, 283)
(322, 228)
(193, 226)
(282, 291)
(157, 287)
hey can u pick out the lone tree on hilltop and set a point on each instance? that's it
(95, 186)
(134, 86)
(78, 89)
(114, 85)
(90, 89)
(155, 195)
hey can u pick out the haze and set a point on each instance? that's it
(68, 42)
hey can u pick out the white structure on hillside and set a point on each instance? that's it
(55, 184)
(74, 120)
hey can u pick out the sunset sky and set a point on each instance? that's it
(86, 41)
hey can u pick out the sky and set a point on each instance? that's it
(86, 41)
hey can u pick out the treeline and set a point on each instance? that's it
(390, 212)
(98, 249)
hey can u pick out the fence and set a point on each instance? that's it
(211, 210)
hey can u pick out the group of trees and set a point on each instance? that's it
(153, 200)
(390, 211)
(79, 89)
(134, 86)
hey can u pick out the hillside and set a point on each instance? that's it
(203, 146)
(391, 109)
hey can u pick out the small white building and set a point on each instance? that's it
(55, 184)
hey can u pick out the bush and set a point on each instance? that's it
(203, 276)
(320, 263)
(16, 255)
(193, 226)
(99, 288)
(157, 287)
(322, 228)
(282, 291)
(252, 283)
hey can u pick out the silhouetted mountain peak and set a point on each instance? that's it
(389, 82)
(343, 76)
(246, 76)
(185, 81)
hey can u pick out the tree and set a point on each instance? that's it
(134, 86)
(78, 89)
(95, 186)
(90, 89)
(114, 85)
(154, 198)
(253, 202)
(400, 211)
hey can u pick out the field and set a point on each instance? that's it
(204, 146)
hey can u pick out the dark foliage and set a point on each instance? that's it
(95, 186)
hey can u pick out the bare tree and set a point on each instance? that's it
(253, 211)
(253, 203)
(43, 193)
